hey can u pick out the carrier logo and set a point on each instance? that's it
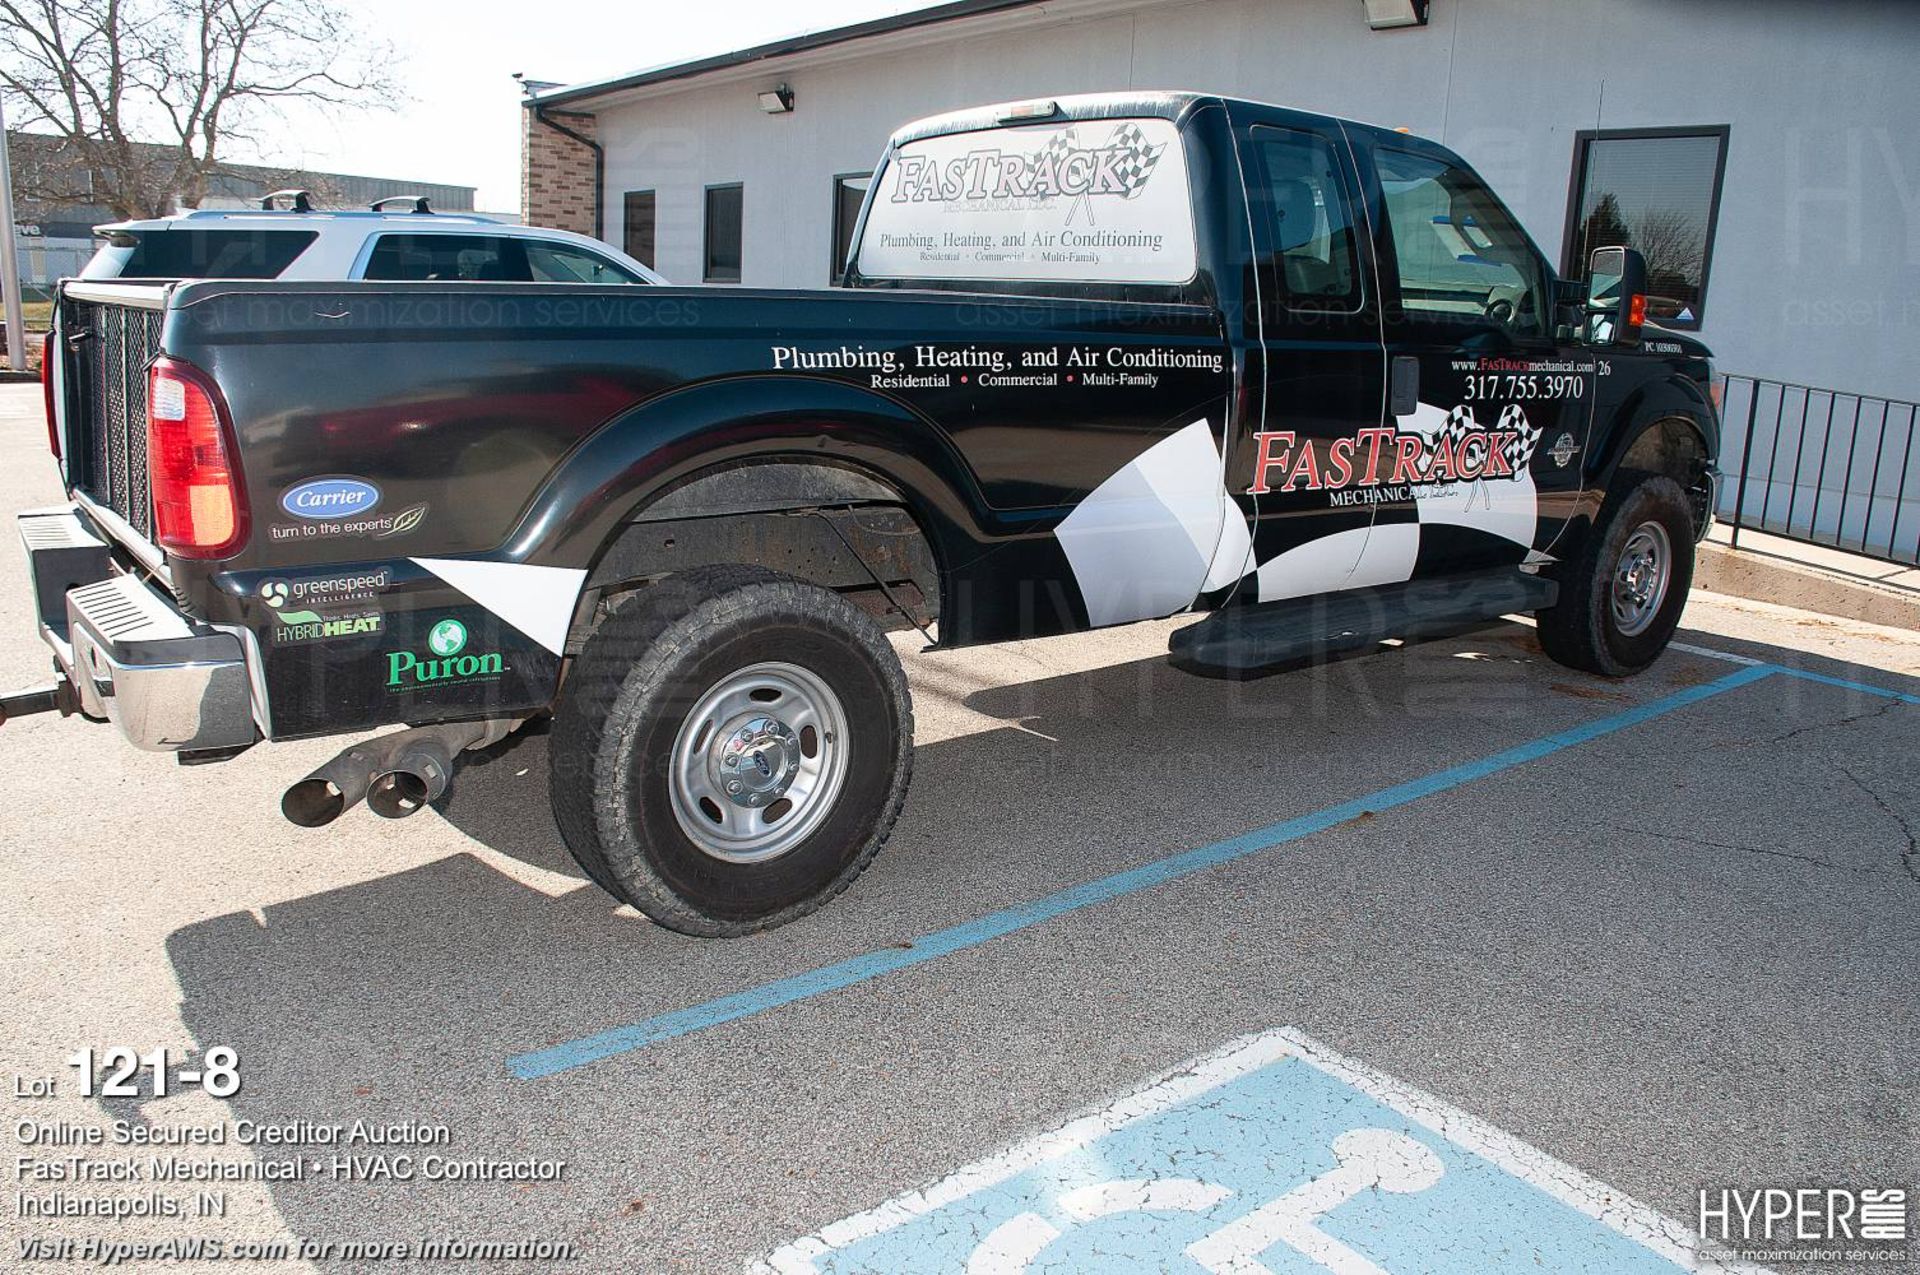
(448, 661)
(1120, 166)
(330, 498)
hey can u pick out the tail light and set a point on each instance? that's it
(199, 506)
(46, 390)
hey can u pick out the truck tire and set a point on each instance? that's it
(731, 749)
(1621, 595)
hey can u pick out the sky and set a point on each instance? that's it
(456, 61)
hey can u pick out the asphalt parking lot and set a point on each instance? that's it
(1620, 942)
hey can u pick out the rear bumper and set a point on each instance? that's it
(170, 684)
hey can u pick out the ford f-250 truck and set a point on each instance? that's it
(1095, 360)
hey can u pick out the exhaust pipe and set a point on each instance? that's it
(417, 776)
(326, 794)
(396, 774)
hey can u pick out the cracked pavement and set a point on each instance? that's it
(1678, 956)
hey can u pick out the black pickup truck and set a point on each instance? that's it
(1095, 360)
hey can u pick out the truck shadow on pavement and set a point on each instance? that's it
(399, 999)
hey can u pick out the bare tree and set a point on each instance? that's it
(145, 95)
(1674, 245)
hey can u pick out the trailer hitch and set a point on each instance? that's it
(56, 697)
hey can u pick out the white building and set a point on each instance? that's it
(1764, 153)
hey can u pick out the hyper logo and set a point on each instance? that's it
(1386, 456)
(447, 661)
(326, 498)
(1119, 166)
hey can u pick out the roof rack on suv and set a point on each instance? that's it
(299, 199)
(419, 203)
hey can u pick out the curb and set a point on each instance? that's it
(1763, 577)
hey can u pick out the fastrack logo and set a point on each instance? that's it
(1384, 456)
(1119, 167)
(1377, 458)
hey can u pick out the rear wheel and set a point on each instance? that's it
(1621, 595)
(732, 749)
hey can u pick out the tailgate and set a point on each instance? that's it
(109, 335)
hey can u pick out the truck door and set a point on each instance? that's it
(1325, 388)
(1491, 414)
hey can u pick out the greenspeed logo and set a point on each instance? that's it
(447, 661)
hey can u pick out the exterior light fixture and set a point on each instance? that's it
(777, 100)
(1384, 15)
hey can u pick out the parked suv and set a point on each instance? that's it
(299, 242)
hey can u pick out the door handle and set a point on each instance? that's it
(1403, 394)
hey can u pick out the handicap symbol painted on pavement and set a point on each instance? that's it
(1272, 1156)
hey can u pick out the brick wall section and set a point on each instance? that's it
(556, 172)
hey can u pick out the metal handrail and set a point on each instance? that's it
(1856, 509)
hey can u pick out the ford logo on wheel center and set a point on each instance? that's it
(330, 498)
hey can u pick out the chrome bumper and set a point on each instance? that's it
(133, 658)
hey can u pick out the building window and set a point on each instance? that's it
(849, 192)
(724, 205)
(638, 228)
(1656, 190)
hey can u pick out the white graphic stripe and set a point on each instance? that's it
(538, 601)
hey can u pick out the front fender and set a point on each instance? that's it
(1670, 397)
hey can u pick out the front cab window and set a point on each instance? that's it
(1463, 262)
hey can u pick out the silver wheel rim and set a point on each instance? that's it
(759, 762)
(1640, 580)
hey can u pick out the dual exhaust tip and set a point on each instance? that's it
(396, 775)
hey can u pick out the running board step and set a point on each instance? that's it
(1252, 639)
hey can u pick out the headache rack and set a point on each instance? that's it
(111, 336)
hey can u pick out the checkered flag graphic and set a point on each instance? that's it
(1459, 422)
(1057, 147)
(1053, 154)
(1136, 165)
(1526, 437)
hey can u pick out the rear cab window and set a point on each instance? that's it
(197, 254)
(1103, 201)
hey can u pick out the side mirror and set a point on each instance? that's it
(1616, 296)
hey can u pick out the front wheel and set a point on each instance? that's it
(732, 749)
(1621, 595)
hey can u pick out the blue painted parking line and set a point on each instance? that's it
(1808, 675)
(870, 965)
(1274, 1156)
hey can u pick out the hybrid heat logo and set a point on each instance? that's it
(1119, 167)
